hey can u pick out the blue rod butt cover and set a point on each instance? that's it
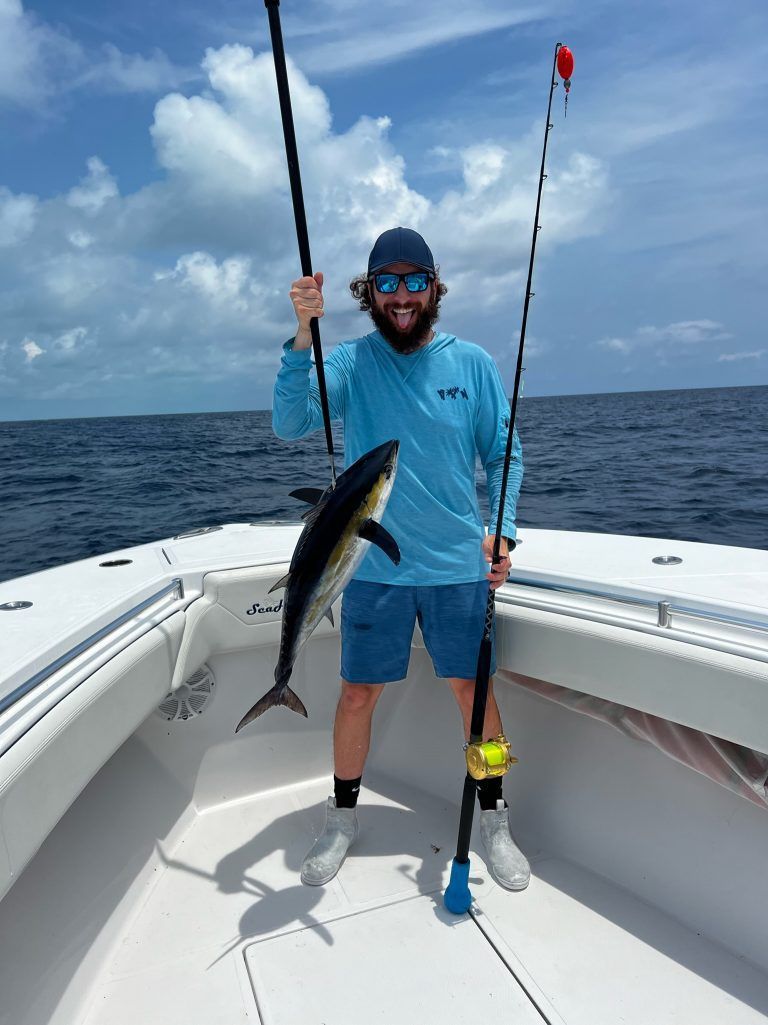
(457, 897)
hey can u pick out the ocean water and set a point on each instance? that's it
(688, 465)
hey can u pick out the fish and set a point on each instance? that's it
(339, 528)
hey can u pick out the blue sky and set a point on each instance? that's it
(146, 234)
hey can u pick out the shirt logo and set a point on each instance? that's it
(446, 393)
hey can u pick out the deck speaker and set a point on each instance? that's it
(190, 699)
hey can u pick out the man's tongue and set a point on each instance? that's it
(403, 320)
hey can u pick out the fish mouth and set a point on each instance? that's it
(391, 464)
(380, 464)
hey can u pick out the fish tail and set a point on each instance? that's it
(280, 694)
(292, 700)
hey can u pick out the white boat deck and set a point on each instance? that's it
(227, 934)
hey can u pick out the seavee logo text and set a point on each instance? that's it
(258, 609)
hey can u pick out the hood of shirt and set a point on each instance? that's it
(407, 363)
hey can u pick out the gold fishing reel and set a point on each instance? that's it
(489, 758)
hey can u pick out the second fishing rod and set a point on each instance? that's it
(486, 760)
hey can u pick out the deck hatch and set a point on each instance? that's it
(424, 965)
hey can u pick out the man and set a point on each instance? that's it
(444, 400)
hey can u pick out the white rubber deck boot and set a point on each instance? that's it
(506, 861)
(330, 849)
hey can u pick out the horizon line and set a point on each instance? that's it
(209, 412)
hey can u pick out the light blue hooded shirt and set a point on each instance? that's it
(446, 404)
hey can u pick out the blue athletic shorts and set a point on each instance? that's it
(377, 628)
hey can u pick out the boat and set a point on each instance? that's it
(149, 858)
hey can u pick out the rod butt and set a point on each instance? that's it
(457, 897)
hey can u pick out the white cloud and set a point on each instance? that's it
(616, 344)
(94, 189)
(221, 284)
(685, 332)
(80, 239)
(115, 71)
(186, 280)
(679, 335)
(70, 341)
(535, 348)
(73, 279)
(66, 345)
(17, 216)
(483, 166)
(235, 144)
(32, 349)
(39, 63)
(629, 105)
(731, 357)
(31, 53)
(486, 227)
(338, 45)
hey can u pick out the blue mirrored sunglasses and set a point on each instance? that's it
(415, 281)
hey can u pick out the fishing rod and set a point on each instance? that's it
(292, 155)
(493, 758)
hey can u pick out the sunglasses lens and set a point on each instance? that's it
(416, 282)
(387, 282)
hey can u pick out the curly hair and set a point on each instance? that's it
(359, 288)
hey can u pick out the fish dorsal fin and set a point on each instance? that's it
(311, 515)
(309, 495)
(320, 502)
(282, 582)
(380, 536)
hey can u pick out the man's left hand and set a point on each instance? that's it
(500, 569)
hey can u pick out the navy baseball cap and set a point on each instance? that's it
(400, 245)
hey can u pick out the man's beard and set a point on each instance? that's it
(408, 341)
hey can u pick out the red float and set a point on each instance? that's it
(565, 70)
(565, 63)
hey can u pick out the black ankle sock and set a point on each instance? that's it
(345, 791)
(489, 792)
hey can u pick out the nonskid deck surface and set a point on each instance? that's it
(227, 933)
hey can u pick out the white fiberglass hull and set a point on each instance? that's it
(169, 892)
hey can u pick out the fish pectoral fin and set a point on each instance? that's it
(329, 615)
(282, 582)
(310, 495)
(378, 535)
